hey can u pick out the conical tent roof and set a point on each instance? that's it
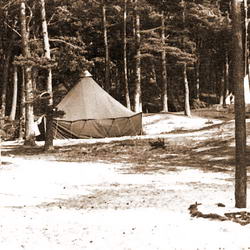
(87, 100)
(90, 112)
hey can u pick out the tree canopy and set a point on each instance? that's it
(196, 34)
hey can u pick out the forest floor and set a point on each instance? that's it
(125, 193)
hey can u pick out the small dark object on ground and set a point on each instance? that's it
(220, 204)
(5, 163)
(160, 143)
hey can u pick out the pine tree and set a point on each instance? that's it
(137, 95)
(29, 132)
(164, 66)
(125, 64)
(240, 123)
(48, 145)
(47, 53)
(14, 95)
(105, 37)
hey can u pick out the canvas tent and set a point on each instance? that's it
(90, 112)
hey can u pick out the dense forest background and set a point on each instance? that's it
(151, 55)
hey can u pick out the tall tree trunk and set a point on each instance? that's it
(197, 79)
(153, 74)
(34, 78)
(240, 123)
(226, 79)
(245, 52)
(6, 67)
(222, 89)
(48, 145)
(22, 107)
(14, 95)
(137, 95)
(164, 66)
(118, 82)
(29, 121)
(187, 110)
(245, 37)
(46, 49)
(106, 45)
(125, 64)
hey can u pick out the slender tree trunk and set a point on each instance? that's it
(226, 79)
(4, 87)
(173, 99)
(222, 90)
(245, 52)
(153, 78)
(29, 112)
(48, 145)
(221, 81)
(22, 107)
(6, 67)
(197, 78)
(14, 96)
(118, 82)
(164, 66)
(125, 64)
(46, 49)
(106, 45)
(49, 117)
(137, 95)
(187, 110)
(34, 78)
(29, 122)
(240, 124)
(245, 37)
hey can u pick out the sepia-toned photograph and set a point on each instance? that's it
(124, 125)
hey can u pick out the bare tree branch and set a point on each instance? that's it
(62, 41)
(50, 20)
(29, 18)
(13, 29)
(8, 4)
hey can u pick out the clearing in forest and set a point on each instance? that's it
(124, 193)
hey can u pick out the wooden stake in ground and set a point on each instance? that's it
(240, 123)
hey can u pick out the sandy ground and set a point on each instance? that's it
(46, 204)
